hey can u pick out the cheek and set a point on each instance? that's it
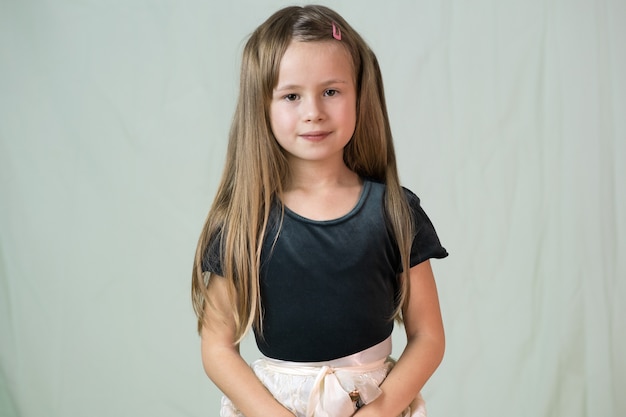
(279, 120)
(349, 114)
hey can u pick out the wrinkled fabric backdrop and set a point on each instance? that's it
(509, 121)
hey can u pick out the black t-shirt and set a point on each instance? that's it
(328, 288)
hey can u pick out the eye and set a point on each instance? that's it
(330, 92)
(291, 97)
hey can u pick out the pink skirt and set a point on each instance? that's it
(335, 388)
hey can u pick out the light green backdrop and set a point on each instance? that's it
(509, 119)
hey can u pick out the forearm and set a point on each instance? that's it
(232, 375)
(418, 362)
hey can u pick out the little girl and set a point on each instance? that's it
(311, 242)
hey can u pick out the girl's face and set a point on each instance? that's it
(313, 107)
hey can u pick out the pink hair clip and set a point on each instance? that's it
(336, 32)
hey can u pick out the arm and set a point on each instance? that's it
(225, 366)
(423, 352)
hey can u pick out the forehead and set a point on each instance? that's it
(306, 62)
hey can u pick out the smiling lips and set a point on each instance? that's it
(315, 136)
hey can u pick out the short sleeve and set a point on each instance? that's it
(212, 259)
(426, 244)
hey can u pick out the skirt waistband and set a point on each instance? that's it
(375, 356)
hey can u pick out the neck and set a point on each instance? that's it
(317, 175)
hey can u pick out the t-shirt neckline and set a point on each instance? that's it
(364, 192)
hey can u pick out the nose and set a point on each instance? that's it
(313, 109)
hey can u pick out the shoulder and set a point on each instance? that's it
(426, 243)
(380, 187)
(420, 218)
(411, 197)
(374, 188)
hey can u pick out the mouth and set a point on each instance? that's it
(315, 136)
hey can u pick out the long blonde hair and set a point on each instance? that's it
(256, 168)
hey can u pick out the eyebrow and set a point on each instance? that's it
(295, 86)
